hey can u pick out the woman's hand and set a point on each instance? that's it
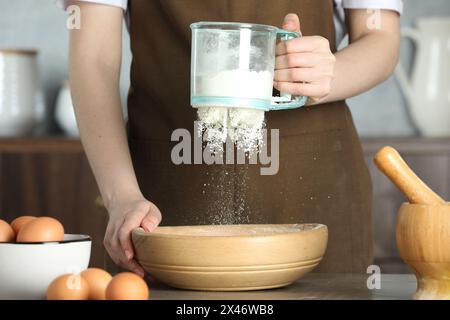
(95, 62)
(123, 218)
(304, 66)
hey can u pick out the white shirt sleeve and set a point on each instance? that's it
(396, 5)
(116, 3)
(341, 5)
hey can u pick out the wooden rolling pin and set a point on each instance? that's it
(389, 161)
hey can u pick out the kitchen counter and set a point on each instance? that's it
(313, 286)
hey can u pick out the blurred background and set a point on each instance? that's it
(43, 170)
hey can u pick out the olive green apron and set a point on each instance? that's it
(322, 176)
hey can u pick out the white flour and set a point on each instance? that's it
(236, 84)
(239, 230)
(243, 125)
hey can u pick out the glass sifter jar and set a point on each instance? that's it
(232, 65)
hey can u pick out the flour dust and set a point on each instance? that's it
(226, 195)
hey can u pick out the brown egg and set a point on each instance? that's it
(68, 287)
(19, 222)
(43, 229)
(127, 286)
(98, 280)
(6, 232)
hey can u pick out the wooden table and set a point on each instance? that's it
(314, 286)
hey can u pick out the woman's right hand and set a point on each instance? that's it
(123, 218)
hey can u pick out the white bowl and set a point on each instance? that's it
(26, 269)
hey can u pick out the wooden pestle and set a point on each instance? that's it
(389, 161)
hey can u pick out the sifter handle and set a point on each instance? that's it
(285, 101)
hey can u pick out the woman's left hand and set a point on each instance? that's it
(304, 66)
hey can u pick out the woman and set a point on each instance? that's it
(322, 176)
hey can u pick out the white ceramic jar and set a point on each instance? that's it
(64, 112)
(19, 90)
(427, 89)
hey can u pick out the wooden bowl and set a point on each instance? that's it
(423, 240)
(231, 257)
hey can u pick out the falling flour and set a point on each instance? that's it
(243, 125)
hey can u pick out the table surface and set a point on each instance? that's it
(312, 287)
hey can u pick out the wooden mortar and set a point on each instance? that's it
(423, 228)
(423, 240)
